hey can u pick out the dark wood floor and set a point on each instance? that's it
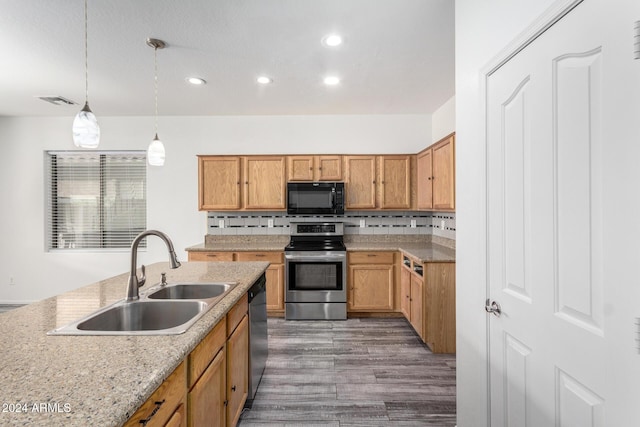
(359, 372)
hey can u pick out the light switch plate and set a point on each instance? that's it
(221, 223)
(270, 223)
(414, 223)
(442, 224)
(362, 224)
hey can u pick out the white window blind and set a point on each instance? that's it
(96, 200)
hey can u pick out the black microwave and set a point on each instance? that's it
(315, 198)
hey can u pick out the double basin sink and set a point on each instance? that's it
(165, 309)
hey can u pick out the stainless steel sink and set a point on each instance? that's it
(163, 310)
(198, 291)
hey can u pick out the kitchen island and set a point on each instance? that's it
(99, 380)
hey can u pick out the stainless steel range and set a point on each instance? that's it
(315, 272)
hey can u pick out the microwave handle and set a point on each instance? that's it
(334, 202)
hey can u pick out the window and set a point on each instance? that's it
(96, 200)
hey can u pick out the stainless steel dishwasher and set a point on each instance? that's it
(258, 349)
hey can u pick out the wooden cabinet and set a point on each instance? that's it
(265, 182)
(165, 404)
(436, 176)
(314, 168)
(234, 182)
(370, 281)
(219, 182)
(388, 175)
(429, 302)
(237, 371)
(360, 182)
(208, 380)
(440, 307)
(274, 274)
(395, 182)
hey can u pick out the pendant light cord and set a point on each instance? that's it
(86, 55)
(155, 60)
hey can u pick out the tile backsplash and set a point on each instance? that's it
(442, 224)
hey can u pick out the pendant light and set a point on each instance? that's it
(155, 152)
(86, 132)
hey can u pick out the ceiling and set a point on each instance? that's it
(397, 56)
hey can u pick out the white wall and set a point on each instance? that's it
(171, 190)
(483, 28)
(443, 120)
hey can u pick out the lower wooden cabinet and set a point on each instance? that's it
(429, 302)
(210, 387)
(166, 404)
(370, 281)
(237, 371)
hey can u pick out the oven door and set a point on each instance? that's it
(315, 277)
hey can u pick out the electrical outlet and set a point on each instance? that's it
(221, 223)
(362, 224)
(270, 223)
(414, 223)
(12, 281)
(442, 224)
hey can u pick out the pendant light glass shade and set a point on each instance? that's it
(86, 132)
(155, 152)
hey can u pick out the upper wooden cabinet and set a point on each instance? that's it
(436, 176)
(395, 182)
(361, 182)
(265, 182)
(388, 175)
(219, 182)
(235, 182)
(314, 168)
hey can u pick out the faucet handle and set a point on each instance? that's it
(142, 280)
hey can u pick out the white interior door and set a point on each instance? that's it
(560, 353)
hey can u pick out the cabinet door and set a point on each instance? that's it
(265, 182)
(417, 313)
(208, 395)
(361, 182)
(300, 168)
(178, 419)
(237, 371)
(405, 293)
(371, 287)
(444, 175)
(218, 183)
(275, 287)
(328, 168)
(395, 185)
(440, 300)
(424, 175)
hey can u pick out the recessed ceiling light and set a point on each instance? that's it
(196, 81)
(264, 80)
(331, 80)
(332, 40)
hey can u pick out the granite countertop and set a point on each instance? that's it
(98, 380)
(422, 250)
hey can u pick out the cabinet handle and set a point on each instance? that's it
(374, 182)
(233, 388)
(372, 255)
(429, 178)
(260, 255)
(212, 255)
(246, 183)
(155, 411)
(320, 168)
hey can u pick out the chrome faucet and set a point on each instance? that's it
(134, 282)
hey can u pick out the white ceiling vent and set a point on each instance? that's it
(58, 100)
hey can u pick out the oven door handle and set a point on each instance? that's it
(322, 258)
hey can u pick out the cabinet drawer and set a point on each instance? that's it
(210, 256)
(204, 353)
(236, 314)
(272, 257)
(370, 257)
(171, 394)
